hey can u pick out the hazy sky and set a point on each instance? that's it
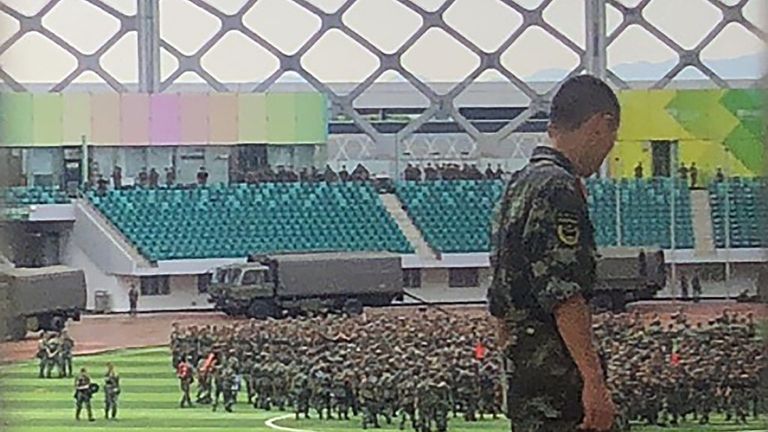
(436, 57)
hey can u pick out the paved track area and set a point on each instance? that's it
(99, 333)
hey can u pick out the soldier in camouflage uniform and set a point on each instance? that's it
(544, 268)
(41, 353)
(301, 394)
(67, 350)
(111, 392)
(53, 356)
(369, 402)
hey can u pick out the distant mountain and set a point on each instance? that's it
(744, 67)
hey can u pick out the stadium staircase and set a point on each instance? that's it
(102, 242)
(703, 233)
(395, 208)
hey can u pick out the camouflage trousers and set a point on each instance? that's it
(301, 404)
(370, 414)
(110, 403)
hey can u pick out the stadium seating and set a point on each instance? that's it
(238, 220)
(746, 209)
(454, 216)
(646, 213)
(16, 196)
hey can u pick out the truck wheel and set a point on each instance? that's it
(261, 309)
(17, 328)
(618, 302)
(58, 323)
(352, 307)
(601, 303)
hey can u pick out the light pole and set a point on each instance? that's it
(673, 256)
(727, 182)
(617, 197)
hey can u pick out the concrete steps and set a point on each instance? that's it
(100, 230)
(412, 233)
(703, 234)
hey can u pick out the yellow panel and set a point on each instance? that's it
(625, 156)
(644, 116)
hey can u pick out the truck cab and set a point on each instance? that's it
(234, 287)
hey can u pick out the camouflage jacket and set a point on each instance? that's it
(543, 253)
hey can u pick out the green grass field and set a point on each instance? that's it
(149, 402)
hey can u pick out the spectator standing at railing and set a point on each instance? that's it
(639, 170)
(430, 173)
(489, 174)
(694, 173)
(499, 172)
(170, 176)
(117, 177)
(202, 177)
(143, 177)
(719, 177)
(330, 175)
(683, 172)
(154, 178)
(344, 174)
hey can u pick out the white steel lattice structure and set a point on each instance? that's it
(145, 22)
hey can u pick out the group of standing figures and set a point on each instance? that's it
(384, 369)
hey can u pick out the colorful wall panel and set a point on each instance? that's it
(77, 117)
(713, 129)
(165, 119)
(114, 119)
(134, 119)
(223, 109)
(16, 119)
(47, 113)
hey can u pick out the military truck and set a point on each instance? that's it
(622, 278)
(39, 298)
(293, 284)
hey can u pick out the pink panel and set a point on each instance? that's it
(105, 119)
(165, 121)
(223, 118)
(134, 118)
(194, 118)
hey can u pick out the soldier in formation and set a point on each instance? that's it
(410, 371)
(662, 374)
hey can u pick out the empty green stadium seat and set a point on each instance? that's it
(738, 209)
(235, 221)
(454, 216)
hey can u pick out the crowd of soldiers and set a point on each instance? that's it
(54, 351)
(659, 374)
(384, 368)
(425, 367)
(451, 171)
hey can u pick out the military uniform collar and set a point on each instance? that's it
(544, 153)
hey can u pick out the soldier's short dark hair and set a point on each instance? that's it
(578, 99)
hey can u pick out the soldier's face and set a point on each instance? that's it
(601, 131)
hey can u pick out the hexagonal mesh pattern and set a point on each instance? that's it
(242, 27)
(88, 58)
(731, 12)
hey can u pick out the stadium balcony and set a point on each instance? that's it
(221, 221)
(32, 195)
(454, 216)
(738, 208)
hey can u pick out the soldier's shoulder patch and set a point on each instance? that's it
(567, 227)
